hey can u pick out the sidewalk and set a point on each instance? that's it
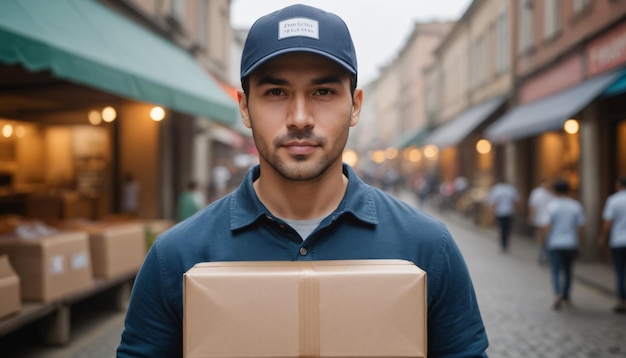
(596, 274)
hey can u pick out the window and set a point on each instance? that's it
(580, 5)
(202, 26)
(551, 18)
(177, 10)
(525, 25)
(502, 42)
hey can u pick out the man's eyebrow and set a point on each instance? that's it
(326, 80)
(272, 81)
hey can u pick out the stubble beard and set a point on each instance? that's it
(302, 168)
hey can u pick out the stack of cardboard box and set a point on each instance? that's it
(49, 266)
(9, 288)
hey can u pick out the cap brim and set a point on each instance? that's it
(272, 55)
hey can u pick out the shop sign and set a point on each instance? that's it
(607, 52)
(564, 75)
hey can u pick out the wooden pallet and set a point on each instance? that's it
(53, 318)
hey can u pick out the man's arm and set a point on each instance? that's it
(455, 326)
(152, 327)
(605, 231)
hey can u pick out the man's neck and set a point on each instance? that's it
(300, 200)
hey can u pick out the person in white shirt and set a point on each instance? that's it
(613, 232)
(537, 203)
(503, 198)
(562, 234)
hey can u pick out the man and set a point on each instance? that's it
(563, 229)
(503, 198)
(301, 203)
(538, 201)
(190, 201)
(614, 224)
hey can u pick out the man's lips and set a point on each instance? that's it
(300, 147)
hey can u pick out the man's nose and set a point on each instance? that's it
(300, 115)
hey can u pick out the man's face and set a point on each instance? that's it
(300, 109)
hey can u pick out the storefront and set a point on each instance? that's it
(569, 123)
(87, 97)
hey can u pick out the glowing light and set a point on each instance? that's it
(483, 146)
(350, 157)
(571, 126)
(431, 151)
(7, 130)
(94, 117)
(378, 156)
(20, 131)
(415, 155)
(157, 114)
(391, 153)
(109, 114)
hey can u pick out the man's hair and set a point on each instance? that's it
(622, 182)
(561, 186)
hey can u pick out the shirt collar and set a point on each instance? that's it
(246, 208)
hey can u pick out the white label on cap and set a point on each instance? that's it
(298, 26)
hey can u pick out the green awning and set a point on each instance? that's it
(84, 42)
(414, 137)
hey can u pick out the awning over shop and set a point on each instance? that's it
(84, 42)
(550, 113)
(414, 137)
(461, 126)
(617, 87)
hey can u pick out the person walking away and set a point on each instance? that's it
(301, 202)
(503, 199)
(190, 201)
(221, 178)
(130, 195)
(613, 233)
(538, 201)
(562, 234)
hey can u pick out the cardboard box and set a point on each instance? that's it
(9, 288)
(116, 248)
(50, 267)
(356, 308)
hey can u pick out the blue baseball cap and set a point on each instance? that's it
(298, 28)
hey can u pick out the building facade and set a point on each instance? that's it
(567, 119)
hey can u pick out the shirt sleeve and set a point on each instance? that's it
(581, 215)
(607, 213)
(152, 327)
(455, 326)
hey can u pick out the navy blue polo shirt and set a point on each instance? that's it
(367, 224)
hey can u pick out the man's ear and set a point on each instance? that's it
(357, 103)
(243, 108)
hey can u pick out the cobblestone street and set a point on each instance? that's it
(514, 293)
(515, 297)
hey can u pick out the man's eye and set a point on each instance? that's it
(324, 91)
(275, 92)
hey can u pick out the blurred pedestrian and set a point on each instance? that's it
(503, 199)
(562, 234)
(538, 201)
(221, 179)
(614, 224)
(130, 195)
(190, 201)
(300, 98)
